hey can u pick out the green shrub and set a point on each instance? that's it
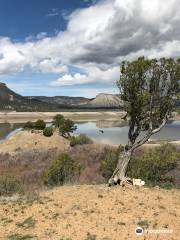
(109, 162)
(10, 185)
(21, 237)
(67, 127)
(27, 223)
(62, 170)
(153, 165)
(80, 140)
(29, 125)
(48, 132)
(39, 124)
(90, 236)
(58, 120)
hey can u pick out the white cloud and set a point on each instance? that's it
(54, 12)
(68, 79)
(97, 39)
(94, 74)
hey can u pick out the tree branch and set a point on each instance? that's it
(149, 134)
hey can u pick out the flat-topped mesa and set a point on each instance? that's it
(107, 101)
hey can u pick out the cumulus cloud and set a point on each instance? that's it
(97, 39)
(94, 74)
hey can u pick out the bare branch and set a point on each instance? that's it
(148, 135)
(161, 126)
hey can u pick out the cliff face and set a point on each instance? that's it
(106, 101)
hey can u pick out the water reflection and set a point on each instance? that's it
(7, 128)
(113, 132)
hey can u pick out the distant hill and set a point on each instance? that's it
(103, 100)
(9, 101)
(8, 95)
(63, 100)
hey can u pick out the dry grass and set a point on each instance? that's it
(30, 160)
(25, 140)
(93, 212)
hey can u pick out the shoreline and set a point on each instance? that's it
(26, 135)
(14, 117)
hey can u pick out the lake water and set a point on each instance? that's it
(114, 132)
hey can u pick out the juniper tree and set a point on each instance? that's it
(67, 127)
(149, 89)
(58, 120)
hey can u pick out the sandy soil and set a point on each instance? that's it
(70, 212)
(26, 140)
(14, 117)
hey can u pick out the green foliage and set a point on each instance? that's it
(67, 127)
(29, 125)
(62, 170)
(39, 124)
(27, 223)
(80, 140)
(109, 163)
(148, 88)
(21, 237)
(90, 236)
(154, 164)
(143, 224)
(58, 120)
(48, 132)
(10, 185)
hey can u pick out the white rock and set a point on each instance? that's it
(138, 182)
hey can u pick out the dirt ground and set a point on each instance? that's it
(25, 140)
(93, 212)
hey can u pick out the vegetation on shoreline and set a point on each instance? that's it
(80, 140)
(86, 164)
(62, 170)
(151, 166)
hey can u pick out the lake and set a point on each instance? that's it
(113, 132)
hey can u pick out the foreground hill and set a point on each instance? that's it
(92, 212)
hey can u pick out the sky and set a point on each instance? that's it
(75, 47)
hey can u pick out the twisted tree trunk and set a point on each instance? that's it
(119, 175)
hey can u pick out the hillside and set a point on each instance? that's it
(7, 95)
(9, 100)
(103, 100)
(92, 212)
(63, 100)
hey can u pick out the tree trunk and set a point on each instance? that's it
(119, 175)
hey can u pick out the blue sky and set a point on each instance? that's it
(75, 47)
(21, 18)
